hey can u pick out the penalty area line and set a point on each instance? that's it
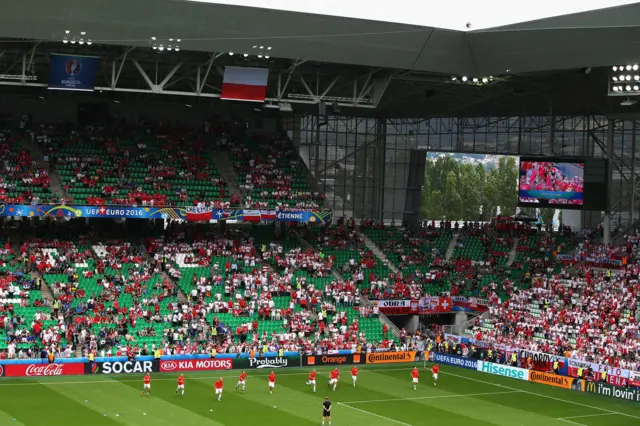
(373, 414)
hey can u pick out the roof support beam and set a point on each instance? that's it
(115, 76)
(146, 78)
(170, 75)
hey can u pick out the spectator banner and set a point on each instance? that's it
(469, 304)
(121, 367)
(397, 307)
(390, 357)
(195, 365)
(72, 72)
(311, 360)
(553, 380)
(456, 361)
(544, 362)
(434, 305)
(503, 370)
(606, 389)
(36, 370)
(431, 305)
(269, 363)
(184, 213)
(615, 376)
(634, 379)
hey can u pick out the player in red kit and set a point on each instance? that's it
(146, 388)
(435, 370)
(354, 375)
(241, 381)
(180, 384)
(414, 375)
(312, 380)
(335, 376)
(218, 388)
(272, 381)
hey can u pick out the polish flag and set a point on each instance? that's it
(195, 214)
(244, 84)
(268, 214)
(251, 216)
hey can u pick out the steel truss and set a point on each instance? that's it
(198, 74)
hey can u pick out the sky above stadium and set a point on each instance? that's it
(435, 13)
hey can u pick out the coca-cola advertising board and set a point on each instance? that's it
(195, 365)
(40, 370)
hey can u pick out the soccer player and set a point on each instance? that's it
(272, 381)
(415, 374)
(180, 384)
(241, 381)
(435, 370)
(312, 380)
(146, 388)
(335, 376)
(354, 375)
(218, 387)
(326, 410)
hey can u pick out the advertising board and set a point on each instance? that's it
(555, 380)
(456, 361)
(35, 370)
(390, 357)
(195, 365)
(503, 370)
(275, 362)
(605, 389)
(332, 359)
(120, 367)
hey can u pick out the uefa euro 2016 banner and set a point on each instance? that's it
(184, 213)
(67, 72)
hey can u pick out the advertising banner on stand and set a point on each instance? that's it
(453, 360)
(390, 357)
(269, 363)
(606, 389)
(195, 365)
(310, 360)
(121, 367)
(36, 370)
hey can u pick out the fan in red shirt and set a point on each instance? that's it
(335, 376)
(241, 381)
(218, 387)
(415, 374)
(435, 370)
(272, 381)
(312, 380)
(180, 384)
(354, 375)
(146, 388)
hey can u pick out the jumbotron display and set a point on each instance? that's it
(557, 183)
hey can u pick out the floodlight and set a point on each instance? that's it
(73, 42)
(81, 41)
(628, 77)
(615, 88)
(155, 47)
(83, 32)
(245, 55)
(475, 79)
(178, 40)
(177, 49)
(67, 31)
(65, 41)
(615, 78)
(629, 67)
(464, 78)
(615, 68)
(169, 48)
(161, 48)
(269, 48)
(89, 42)
(259, 56)
(628, 88)
(636, 77)
(153, 38)
(635, 67)
(635, 87)
(485, 80)
(230, 53)
(266, 56)
(621, 77)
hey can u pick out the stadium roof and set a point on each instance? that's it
(411, 65)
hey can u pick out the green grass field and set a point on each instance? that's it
(383, 396)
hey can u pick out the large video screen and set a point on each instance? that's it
(551, 183)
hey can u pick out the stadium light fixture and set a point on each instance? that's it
(89, 42)
(615, 78)
(628, 88)
(615, 88)
(269, 47)
(259, 56)
(230, 53)
(153, 39)
(485, 80)
(81, 41)
(73, 42)
(464, 78)
(161, 48)
(615, 68)
(267, 56)
(65, 41)
(177, 49)
(475, 79)
(245, 55)
(635, 87)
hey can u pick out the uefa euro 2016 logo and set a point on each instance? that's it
(73, 67)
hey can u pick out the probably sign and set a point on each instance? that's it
(554, 380)
(271, 362)
(331, 359)
(628, 394)
(37, 370)
(196, 365)
(453, 360)
(503, 370)
(542, 361)
(390, 357)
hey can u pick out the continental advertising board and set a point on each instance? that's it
(390, 357)
(555, 380)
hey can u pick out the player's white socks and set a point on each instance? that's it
(220, 398)
(415, 387)
(354, 383)
(334, 387)
(314, 388)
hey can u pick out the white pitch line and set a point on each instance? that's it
(590, 415)
(430, 397)
(542, 396)
(573, 423)
(374, 414)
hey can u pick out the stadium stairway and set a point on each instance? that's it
(379, 253)
(223, 163)
(451, 247)
(512, 252)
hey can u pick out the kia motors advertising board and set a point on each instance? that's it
(271, 362)
(36, 370)
(457, 361)
(120, 367)
(503, 370)
(390, 357)
(196, 365)
(332, 359)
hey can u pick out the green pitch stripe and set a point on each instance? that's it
(40, 405)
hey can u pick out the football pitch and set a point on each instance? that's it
(383, 395)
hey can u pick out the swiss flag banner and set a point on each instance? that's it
(444, 304)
